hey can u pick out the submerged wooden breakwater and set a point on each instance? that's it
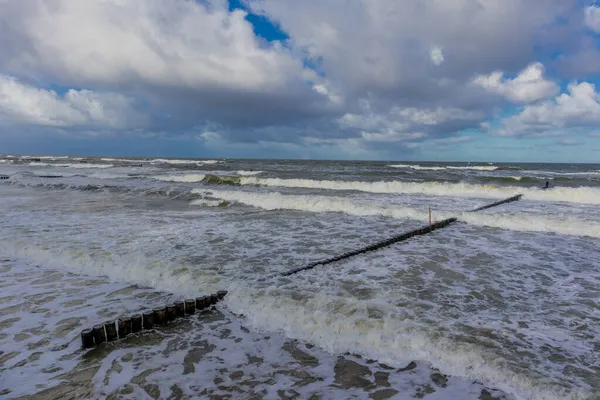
(509, 200)
(376, 246)
(398, 238)
(157, 317)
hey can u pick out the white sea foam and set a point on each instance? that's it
(46, 157)
(128, 160)
(416, 167)
(77, 166)
(248, 173)
(183, 162)
(342, 325)
(475, 168)
(277, 201)
(180, 178)
(207, 202)
(432, 168)
(318, 204)
(582, 195)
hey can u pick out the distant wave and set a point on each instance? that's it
(450, 167)
(162, 161)
(78, 166)
(417, 167)
(582, 195)
(178, 162)
(180, 178)
(248, 173)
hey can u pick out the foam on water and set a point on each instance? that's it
(344, 325)
(248, 173)
(77, 166)
(318, 204)
(180, 178)
(582, 195)
(449, 167)
(182, 162)
(417, 167)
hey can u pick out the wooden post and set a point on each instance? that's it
(199, 303)
(124, 327)
(99, 335)
(190, 306)
(222, 294)
(159, 316)
(111, 331)
(87, 339)
(170, 312)
(429, 215)
(179, 309)
(148, 322)
(214, 299)
(136, 323)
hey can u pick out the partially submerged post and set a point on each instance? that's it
(99, 335)
(159, 316)
(136, 323)
(170, 312)
(221, 294)
(124, 327)
(87, 339)
(190, 306)
(200, 303)
(179, 309)
(148, 320)
(111, 331)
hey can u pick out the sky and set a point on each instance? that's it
(436, 80)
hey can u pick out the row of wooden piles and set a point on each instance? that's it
(159, 316)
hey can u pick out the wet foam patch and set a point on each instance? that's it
(208, 354)
(42, 312)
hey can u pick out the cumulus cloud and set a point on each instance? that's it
(393, 45)
(592, 18)
(25, 104)
(528, 86)
(437, 57)
(195, 61)
(171, 43)
(366, 78)
(578, 108)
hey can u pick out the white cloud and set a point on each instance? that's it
(380, 45)
(181, 43)
(579, 107)
(529, 85)
(25, 104)
(194, 63)
(437, 57)
(592, 18)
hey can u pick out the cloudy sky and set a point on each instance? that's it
(465, 80)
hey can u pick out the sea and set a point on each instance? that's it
(502, 304)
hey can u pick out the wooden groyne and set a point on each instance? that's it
(378, 245)
(157, 317)
(398, 238)
(509, 200)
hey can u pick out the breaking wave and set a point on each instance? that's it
(581, 195)
(317, 204)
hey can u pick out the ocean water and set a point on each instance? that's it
(502, 304)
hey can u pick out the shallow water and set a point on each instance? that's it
(503, 302)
